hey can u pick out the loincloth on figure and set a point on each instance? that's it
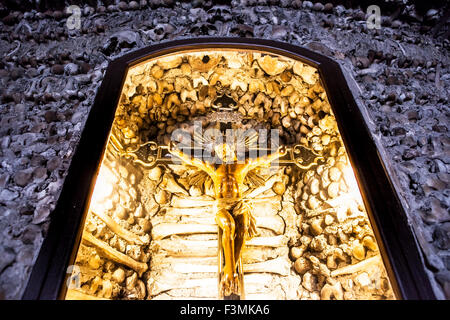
(234, 206)
(241, 211)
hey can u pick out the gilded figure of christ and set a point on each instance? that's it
(232, 215)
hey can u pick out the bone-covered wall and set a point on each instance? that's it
(49, 75)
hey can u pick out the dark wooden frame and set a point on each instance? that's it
(398, 247)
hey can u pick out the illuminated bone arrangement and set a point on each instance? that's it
(233, 212)
(181, 210)
(153, 234)
(186, 266)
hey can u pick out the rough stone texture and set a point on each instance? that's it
(49, 76)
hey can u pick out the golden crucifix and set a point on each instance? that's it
(232, 216)
(233, 213)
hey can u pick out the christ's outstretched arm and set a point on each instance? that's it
(202, 165)
(264, 161)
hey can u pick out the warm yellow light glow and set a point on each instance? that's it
(350, 180)
(348, 202)
(103, 186)
(152, 229)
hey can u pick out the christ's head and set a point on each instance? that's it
(225, 152)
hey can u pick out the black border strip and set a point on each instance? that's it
(400, 253)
